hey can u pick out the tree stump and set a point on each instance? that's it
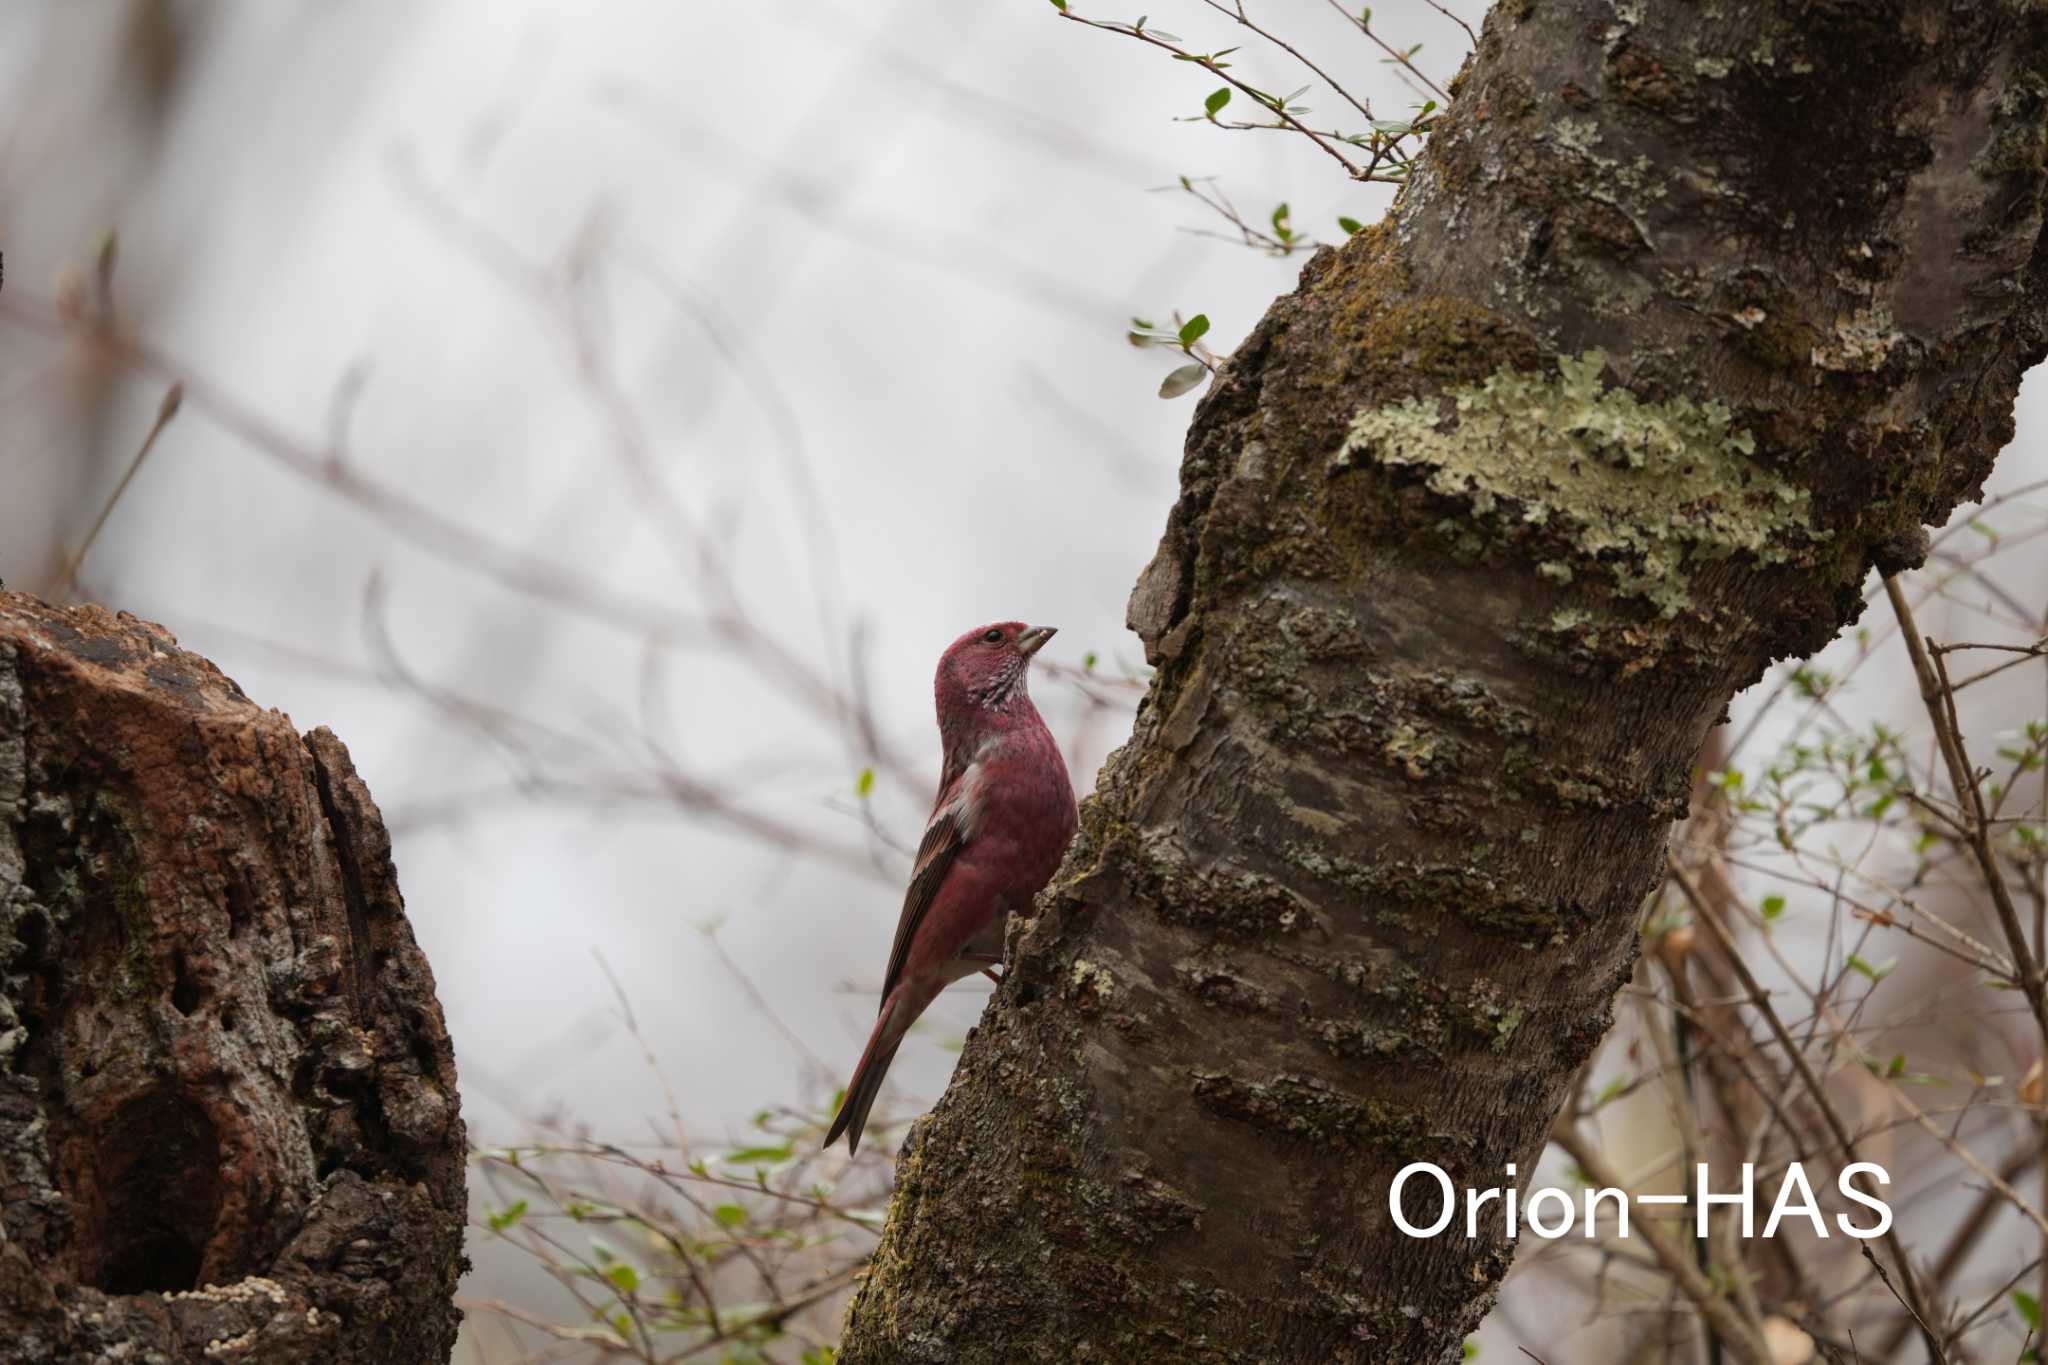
(229, 1127)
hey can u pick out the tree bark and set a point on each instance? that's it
(1690, 315)
(228, 1117)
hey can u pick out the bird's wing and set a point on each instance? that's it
(944, 837)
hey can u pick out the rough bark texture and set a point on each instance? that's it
(228, 1118)
(1692, 314)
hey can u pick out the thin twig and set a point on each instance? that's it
(166, 410)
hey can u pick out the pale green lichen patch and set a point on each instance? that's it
(1644, 489)
(1412, 750)
(1090, 978)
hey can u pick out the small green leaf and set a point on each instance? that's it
(1088, 662)
(1182, 379)
(1773, 907)
(1876, 972)
(1350, 225)
(759, 1156)
(507, 1216)
(623, 1276)
(865, 783)
(1194, 329)
(2029, 1306)
(1060, 5)
(729, 1215)
(1216, 101)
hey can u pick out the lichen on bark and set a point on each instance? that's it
(1641, 489)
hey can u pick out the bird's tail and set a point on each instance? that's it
(868, 1074)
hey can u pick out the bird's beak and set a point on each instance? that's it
(1033, 640)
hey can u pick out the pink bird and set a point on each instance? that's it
(1003, 817)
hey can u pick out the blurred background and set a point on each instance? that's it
(603, 416)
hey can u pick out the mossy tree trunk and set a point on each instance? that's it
(228, 1118)
(1691, 315)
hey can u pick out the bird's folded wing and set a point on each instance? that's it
(943, 839)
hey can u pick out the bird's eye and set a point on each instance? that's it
(994, 637)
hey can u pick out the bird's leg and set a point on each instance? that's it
(992, 975)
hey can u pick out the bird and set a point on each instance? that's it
(1001, 823)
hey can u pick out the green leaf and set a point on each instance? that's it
(2029, 1306)
(1877, 972)
(1216, 101)
(1194, 329)
(1898, 1066)
(1183, 379)
(623, 1276)
(759, 1156)
(864, 785)
(1060, 5)
(1773, 907)
(729, 1215)
(1088, 661)
(1471, 1350)
(1350, 225)
(507, 1216)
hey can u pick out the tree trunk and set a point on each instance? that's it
(228, 1119)
(1690, 315)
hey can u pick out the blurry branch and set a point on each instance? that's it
(417, 522)
(1728, 1324)
(654, 779)
(965, 255)
(1020, 124)
(67, 578)
(566, 295)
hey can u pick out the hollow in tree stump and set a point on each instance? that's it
(228, 1118)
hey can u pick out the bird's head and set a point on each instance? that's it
(983, 670)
